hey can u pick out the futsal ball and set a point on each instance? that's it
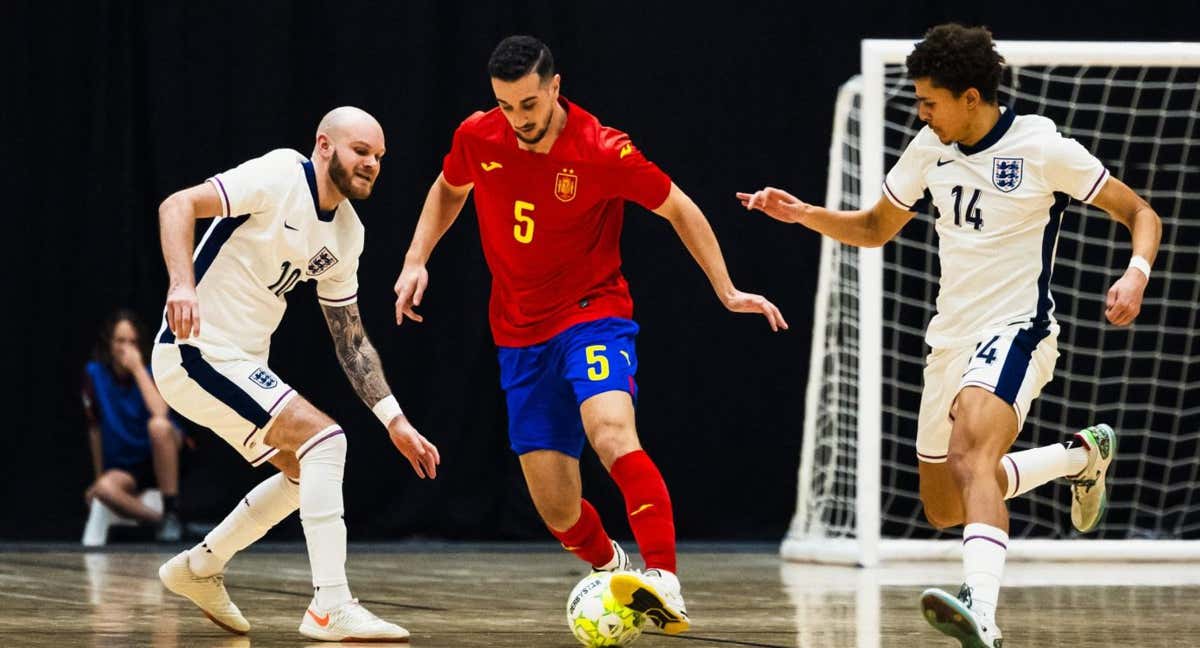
(595, 617)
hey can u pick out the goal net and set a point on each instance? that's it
(1135, 106)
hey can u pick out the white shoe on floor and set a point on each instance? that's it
(655, 594)
(953, 616)
(349, 621)
(207, 593)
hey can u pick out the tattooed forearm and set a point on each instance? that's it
(359, 359)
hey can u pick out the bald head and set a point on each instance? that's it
(348, 121)
(349, 148)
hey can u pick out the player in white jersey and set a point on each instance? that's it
(999, 182)
(280, 219)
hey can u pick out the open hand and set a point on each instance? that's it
(776, 203)
(740, 302)
(422, 454)
(183, 311)
(410, 287)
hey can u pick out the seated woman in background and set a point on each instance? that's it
(134, 443)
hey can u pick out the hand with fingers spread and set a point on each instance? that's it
(183, 311)
(421, 454)
(776, 203)
(1124, 300)
(410, 287)
(740, 302)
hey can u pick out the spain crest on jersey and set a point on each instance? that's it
(1006, 172)
(263, 378)
(565, 184)
(322, 261)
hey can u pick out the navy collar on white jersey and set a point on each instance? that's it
(311, 176)
(1002, 125)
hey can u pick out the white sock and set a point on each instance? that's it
(322, 462)
(1028, 469)
(984, 550)
(262, 508)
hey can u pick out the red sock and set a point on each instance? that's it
(649, 508)
(587, 539)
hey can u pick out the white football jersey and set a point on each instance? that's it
(999, 207)
(270, 236)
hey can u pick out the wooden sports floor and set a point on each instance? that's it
(466, 596)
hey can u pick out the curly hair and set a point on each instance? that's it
(956, 58)
(517, 56)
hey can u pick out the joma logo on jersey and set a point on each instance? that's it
(1006, 172)
(323, 261)
(565, 184)
(263, 378)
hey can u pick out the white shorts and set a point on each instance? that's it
(235, 395)
(1014, 364)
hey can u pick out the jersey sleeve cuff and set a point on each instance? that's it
(337, 301)
(220, 186)
(887, 191)
(1096, 187)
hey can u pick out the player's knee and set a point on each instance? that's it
(559, 516)
(613, 438)
(969, 464)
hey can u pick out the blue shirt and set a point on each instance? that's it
(122, 414)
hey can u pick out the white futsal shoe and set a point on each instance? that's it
(349, 621)
(207, 593)
(954, 617)
(1089, 494)
(655, 594)
(620, 561)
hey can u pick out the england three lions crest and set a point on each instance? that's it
(565, 185)
(263, 378)
(323, 261)
(1006, 172)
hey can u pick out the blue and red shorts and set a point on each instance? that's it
(546, 383)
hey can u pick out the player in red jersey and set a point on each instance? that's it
(550, 184)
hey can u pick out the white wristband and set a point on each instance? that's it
(1141, 264)
(387, 409)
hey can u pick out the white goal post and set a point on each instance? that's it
(1134, 105)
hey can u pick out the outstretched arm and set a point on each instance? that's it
(693, 229)
(442, 205)
(1145, 228)
(862, 228)
(361, 363)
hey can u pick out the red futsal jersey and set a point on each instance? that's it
(551, 222)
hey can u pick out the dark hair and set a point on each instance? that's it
(956, 58)
(517, 56)
(103, 351)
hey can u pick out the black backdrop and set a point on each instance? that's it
(117, 104)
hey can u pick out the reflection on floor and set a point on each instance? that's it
(472, 596)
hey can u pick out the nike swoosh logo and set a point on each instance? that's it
(294, 229)
(641, 508)
(321, 621)
(941, 163)
(571, 548)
